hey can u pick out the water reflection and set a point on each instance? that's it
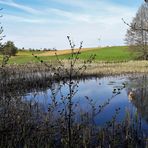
(98, 89)
(95, 102)
(133, 97)
(138, 95)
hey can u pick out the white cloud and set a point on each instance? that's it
(44, 21)
(19, 6)
(69, 15)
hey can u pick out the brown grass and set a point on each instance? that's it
(113, 68)
(93, 69)
(129, 67)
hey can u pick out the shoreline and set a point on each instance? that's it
(39, 74)
(94, 69)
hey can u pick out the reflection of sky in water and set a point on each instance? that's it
(100, 90)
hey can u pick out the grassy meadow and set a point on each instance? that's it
(109, 54)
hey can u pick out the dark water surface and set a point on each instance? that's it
(130, 93)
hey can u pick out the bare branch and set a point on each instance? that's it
(134, 26)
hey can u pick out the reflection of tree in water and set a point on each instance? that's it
(138, 94)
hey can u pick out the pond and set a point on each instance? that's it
(129, 94)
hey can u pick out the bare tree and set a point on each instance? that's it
(137, 34)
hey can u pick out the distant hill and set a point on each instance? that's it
(109, 54)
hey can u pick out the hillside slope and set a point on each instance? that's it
(110, 54)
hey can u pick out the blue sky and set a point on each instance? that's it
(46, 23)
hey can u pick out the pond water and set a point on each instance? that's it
(129, 93)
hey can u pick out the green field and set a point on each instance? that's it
(110, 54)
(116, 54)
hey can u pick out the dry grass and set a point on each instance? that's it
(105, 68)
(118, 68)
(93, 69)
